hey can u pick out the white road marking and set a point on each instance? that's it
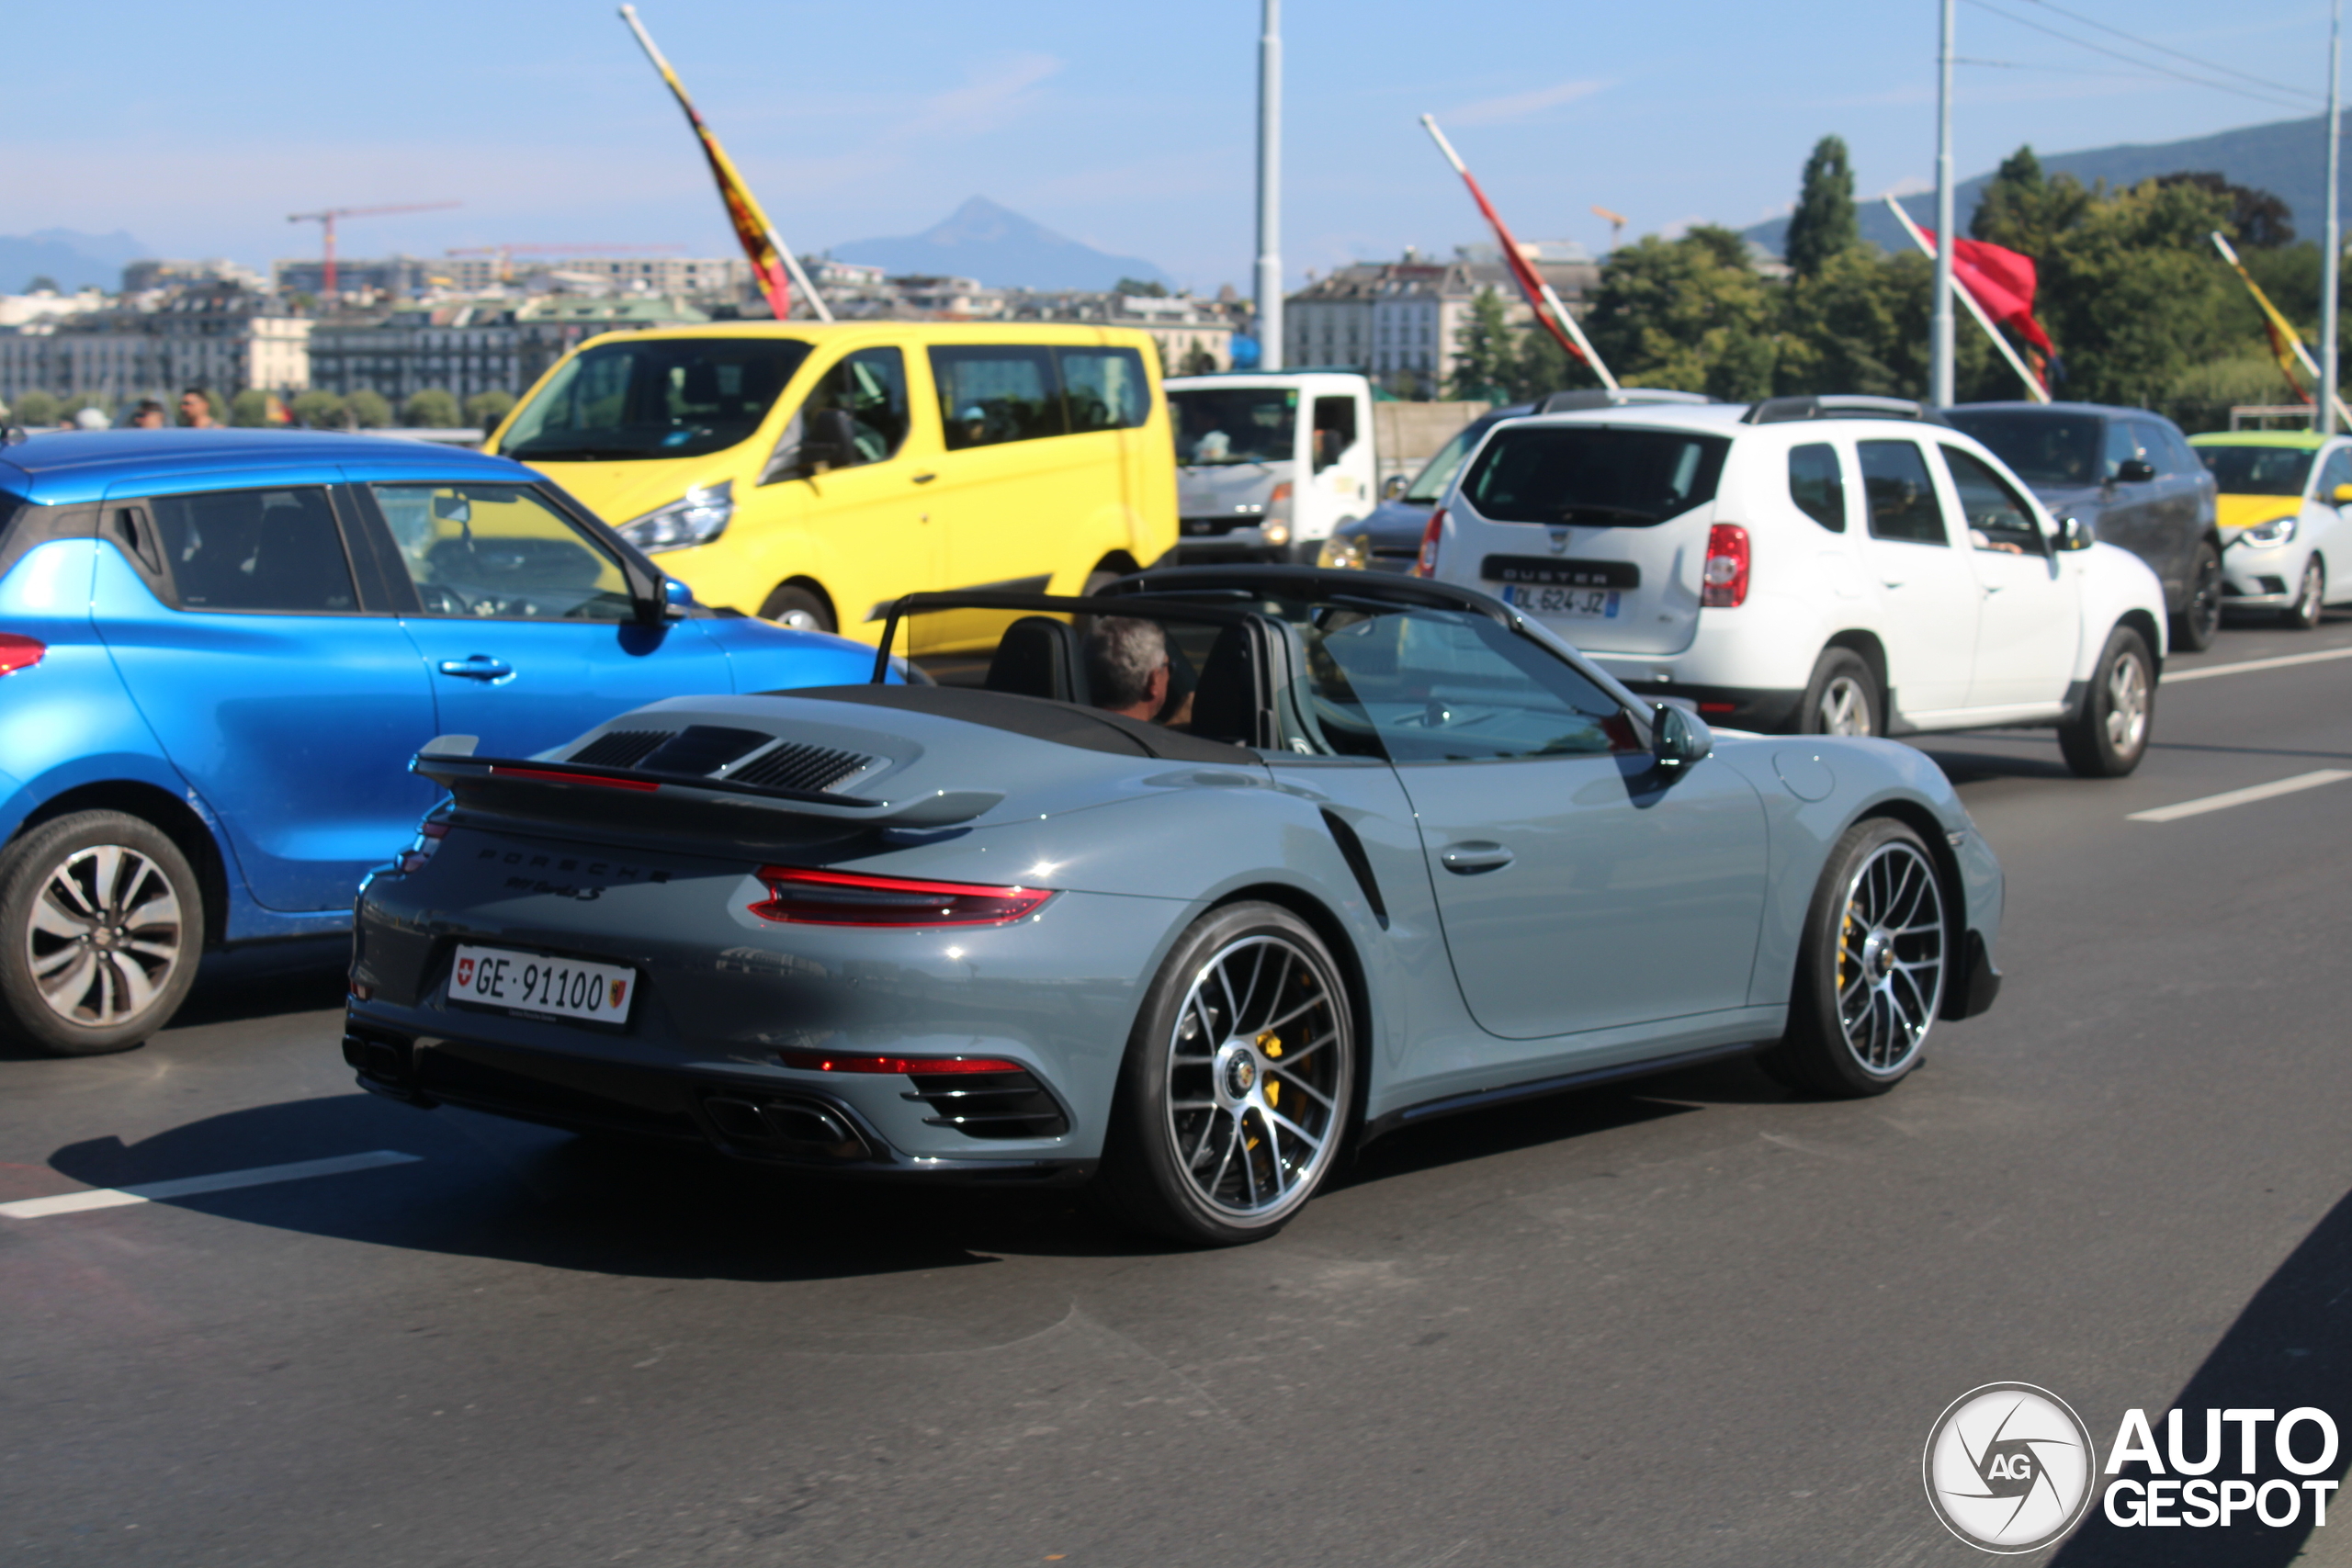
(186, 1186)
(2209, 670)
(2240, 797)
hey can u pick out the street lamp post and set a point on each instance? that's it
(2331, 247)
(1270, 189)
(1940, 319)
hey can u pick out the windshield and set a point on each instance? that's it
(2257, 470)
(654, 398)
(1439, 471)
(2042, 449)
(1235, 425)
(1593, 475)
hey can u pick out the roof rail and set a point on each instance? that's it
(1601, 397)
(1779, 410)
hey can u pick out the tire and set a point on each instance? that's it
(2310, 598)
(2200, 621)
(2109, 737)
(1842, 698)
(1247, 1011)
(797, 609)
(1860, 1016)
(101, 926)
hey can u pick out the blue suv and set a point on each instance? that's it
(218, 650)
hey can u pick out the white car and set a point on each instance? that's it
(2285, 542)
(1843, 566)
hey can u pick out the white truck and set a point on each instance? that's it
(1269, 462)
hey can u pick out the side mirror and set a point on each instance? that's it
(676, 598)
(2072, 535)
(453, 509)
(1679, 738)
(1393, 486)
(2135, 470)
(2340, 496)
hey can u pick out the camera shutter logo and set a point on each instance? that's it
(2009, 1467)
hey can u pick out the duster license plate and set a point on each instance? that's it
(1599, 603)
(530, 982)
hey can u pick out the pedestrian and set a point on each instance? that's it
(149, 415)
(195, 410)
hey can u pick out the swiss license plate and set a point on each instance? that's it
(1599, 603)
(530, 982)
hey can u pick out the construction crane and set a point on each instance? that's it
(1616, 221)
(325, 220)
(505, 252)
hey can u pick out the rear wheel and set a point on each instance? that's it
(101, 925)
(1842, 698)
(2106, 738)
(1237, 1085)
(797, 608)
(2310, 598)
(1871, 966)
(2200, 621)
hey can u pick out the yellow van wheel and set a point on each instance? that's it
(801, 608)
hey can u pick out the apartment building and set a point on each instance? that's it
(1401, 323)
(223, 337)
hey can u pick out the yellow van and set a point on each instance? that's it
(812, 473)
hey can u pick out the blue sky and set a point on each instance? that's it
(199, 127)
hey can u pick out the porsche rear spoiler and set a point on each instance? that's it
(530, 787)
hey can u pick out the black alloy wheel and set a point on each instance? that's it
(2200, 621)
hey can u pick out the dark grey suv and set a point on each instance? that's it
(2132, 479)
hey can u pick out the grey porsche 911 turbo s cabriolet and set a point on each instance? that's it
(1177, 890)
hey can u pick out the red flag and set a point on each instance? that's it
(2000, 280)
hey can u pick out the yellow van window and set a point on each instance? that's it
(991, 394)
(857, 413)
(1105, 387)
(654, 398)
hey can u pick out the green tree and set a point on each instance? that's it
(250, 408)
(2263, 221)
(317, 410)
(484, 409)
(102, 402)
(1485, 363)
(36, 409)
(2133, 296)
(432, 409)
(1692, 313)
(1139, 289)
(1860, 325)
(367, 409)
(2024, 211)
(42, 281)
(1823, 225)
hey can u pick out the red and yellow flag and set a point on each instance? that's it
(2283, 336)
(751, 226)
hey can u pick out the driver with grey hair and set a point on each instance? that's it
(1126, 665)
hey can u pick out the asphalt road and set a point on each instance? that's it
(1690, 1321)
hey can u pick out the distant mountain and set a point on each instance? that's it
(73, 260)
(2288, 158)
(1002, 249)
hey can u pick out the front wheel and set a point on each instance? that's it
(101, 925)
(2108, 736)
(2200, 621)
(2310, 598)
(1237, 1085)
(1872, 965)
(797, 609)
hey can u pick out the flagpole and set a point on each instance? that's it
(2034, 388)
(768, 230)
(2332, 250)
(1940, 319)
(2294, 339)
(1546, 300)
(1270, 186)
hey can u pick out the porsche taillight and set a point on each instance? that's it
(19, 652)
(1723, 582)
(428, 839)
(806, 896)
(1425, 564)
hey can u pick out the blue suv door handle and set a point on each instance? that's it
(479, 667)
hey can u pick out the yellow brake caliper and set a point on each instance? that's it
(1271, 1045)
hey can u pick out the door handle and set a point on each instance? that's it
(479, 667)
(1470, 859)
(1890, 583)
(925, 479)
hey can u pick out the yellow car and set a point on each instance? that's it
(812, 473)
